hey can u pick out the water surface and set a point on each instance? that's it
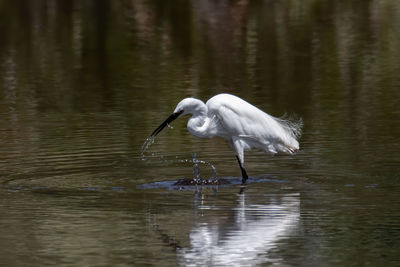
(84, 83)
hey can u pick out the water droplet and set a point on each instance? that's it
(149, 141)
(196, 168)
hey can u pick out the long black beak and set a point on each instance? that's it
(166, 122)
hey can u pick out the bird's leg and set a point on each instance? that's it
(237, 146)
(244, 173)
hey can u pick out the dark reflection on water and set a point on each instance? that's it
(83, 84)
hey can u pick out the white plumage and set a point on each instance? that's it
(243, 125)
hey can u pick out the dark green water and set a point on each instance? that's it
(83, 84)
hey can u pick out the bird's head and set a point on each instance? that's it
(188, 105)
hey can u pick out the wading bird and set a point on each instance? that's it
(243, 125)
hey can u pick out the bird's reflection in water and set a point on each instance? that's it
(246, 238)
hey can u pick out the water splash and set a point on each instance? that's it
(196, 168)
(149, 141)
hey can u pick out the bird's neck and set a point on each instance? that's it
(198, 124)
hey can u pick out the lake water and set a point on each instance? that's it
(84, 83)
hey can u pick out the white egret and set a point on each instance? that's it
(243, 125)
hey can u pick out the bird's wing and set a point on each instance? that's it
(252, 127)
(235, 124)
